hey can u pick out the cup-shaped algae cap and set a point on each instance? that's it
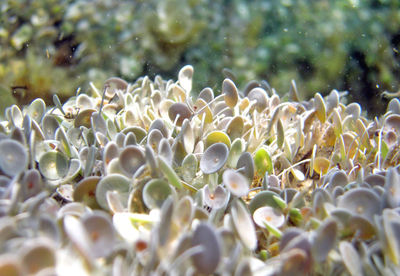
(151, 160)
(98, 123)
(131, 159)
(338, 178)
(245, 165)
(320, 107)
(351, 259)
(84, 118)
(287, 236)
(215, 199)
(100, 231)
(206, 261)
(295, 262)
(361, 201)
(390, 138)
(293, 197)
(204, 110)
(130, 140)
(263, 162)
(54, 165)
(375, 180)
(228, 73)
(243, 225)
(217, 137)
(258, 95)
(390, 230)
(184, 211)
(13, 157)
(324, 239)
(38, 254)
(155, 192)
(36, 110)
(10, 265)
(15, 116)
(176, 92)
(236, 150)
(114, 202)
(112, 182)
(154, 138)
(332, 100)
(78, 236)
(299, 241)
(185, 77)
(321, 165)
(222, 109)
(235, 127)
(31, 183)
(207, 94)
(160, 125)
(85, 191)
(268, 215)
(83, 101)
(74, 169)
(139, 132)
(394, 106)
(165, 224)
(354, 110)
(165, 150)
(110, 152)
(236, 183)
(362, 227)
(319, 198)
(230, 92)
(263, 198)
(112, 84)
(187, 136)
(18, 134)
(214, 158)
(26, 126)
(189, 167)
(181, 110)
(64, 143)
(392, 188)
(250, 86)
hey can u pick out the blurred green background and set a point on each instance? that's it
(51, 46)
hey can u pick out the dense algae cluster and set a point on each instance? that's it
(347, 45)
(147, 179)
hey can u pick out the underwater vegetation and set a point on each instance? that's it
(146, 178)
(347, 45)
